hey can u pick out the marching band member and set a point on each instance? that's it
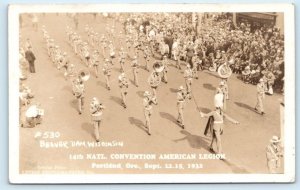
(78, 92)
(181, 97)
(260, 87)
(123, 84)
(188, 75)
(103, 44)
(64, 63)
(166, 68)
(96, 109)
(95, 62)
(122, 58)
(86, 54)
(154, 80)
(135, 69)
(112, 53)
(107, 72)
(147, 56)
(147, 102)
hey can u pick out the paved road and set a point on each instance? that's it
(243, 144)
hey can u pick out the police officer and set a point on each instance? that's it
(78, 92)
(260, 96)
(188, 75)
(135, 68)
(123, 84)
(181, 97)
(96, 109)
(147, 102)
(107, 72)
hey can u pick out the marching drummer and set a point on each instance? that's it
(107, 72)
(135, 68)
(148, 100)
(188, 75)
(123, 84)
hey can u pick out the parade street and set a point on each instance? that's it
(244, 144)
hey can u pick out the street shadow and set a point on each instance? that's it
(116, 99)
(60, 75)
(138, 123)
(204, 110)
(168, 117)
(100, 83)
(132, 82)
(194, 141)
(235, 168)
(74, 103)
(67, 88)
(212, 74)
(209, 86)
(244, 106)
(140, 93)
(173, 90)
(117, 69)
(88, 127)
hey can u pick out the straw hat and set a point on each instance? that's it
(180, 88)
(275, 139)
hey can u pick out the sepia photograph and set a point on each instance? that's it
(117, 93)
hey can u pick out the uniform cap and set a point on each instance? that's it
(95, 99)
(147, 93)
(180, 88)
(261, 80)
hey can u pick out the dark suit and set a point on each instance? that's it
(30, 58)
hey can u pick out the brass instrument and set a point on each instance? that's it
(158, 67)
(224, 71)
(84, 75)
(154, 79)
